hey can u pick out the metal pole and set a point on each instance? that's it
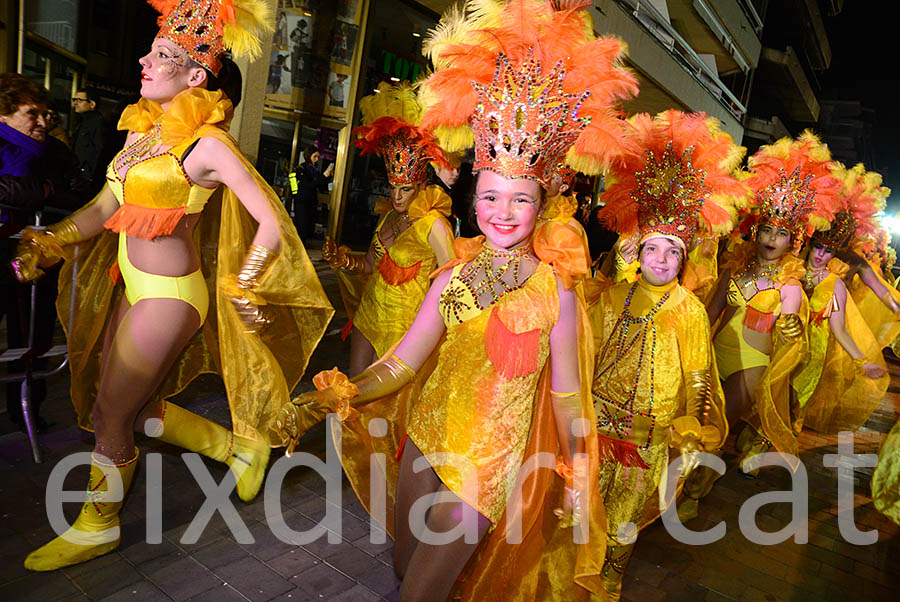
(25, 390)
(20, 58)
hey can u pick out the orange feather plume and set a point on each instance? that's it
(681, 177)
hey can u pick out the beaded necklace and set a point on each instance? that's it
(492, 276)
(396, 230)
(814, 277)
(647, 330)
(139, 150)
(758, 271)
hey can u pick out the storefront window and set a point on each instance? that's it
(54, 20)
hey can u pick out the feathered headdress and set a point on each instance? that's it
(680, 179)
(863, 198)
(206, 29)
(390, 118)
(793, 187)
(528, 83)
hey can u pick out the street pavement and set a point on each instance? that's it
(218, 568)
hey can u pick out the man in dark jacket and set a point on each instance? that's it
(37, 173)
(89, 141)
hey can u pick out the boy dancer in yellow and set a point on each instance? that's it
(655, 382)
(184, 310)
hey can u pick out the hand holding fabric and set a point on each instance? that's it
(43, 249)
(241, 289)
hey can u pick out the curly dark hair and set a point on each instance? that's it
(17, 90)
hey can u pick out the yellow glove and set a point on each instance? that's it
(688, 448)
(342, 258)
(43, 249)
(241, 289)
(789, 327)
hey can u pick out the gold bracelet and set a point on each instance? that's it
(256, 263)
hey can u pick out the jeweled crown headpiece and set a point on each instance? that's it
(390, 117)
(793, 187)
(681, 180)
(506, 80)
(206, 29)
(863, 198)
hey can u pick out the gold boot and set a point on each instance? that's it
(96, 530)
(617, 557)
(750, 443)
(246, 458)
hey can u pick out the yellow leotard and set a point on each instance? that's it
(154, 195)
(402, 274)
(733, 352)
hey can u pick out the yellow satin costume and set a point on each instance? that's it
(259, 371)
(771, 414)
(883, 322)
(834, 391)
(640, 389)
(402, 273)
(485, 394)
(886, 479)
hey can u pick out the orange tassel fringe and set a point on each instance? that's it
(759, 321)
(115, 273)
(817, 317)
(394, 274)
(145, 222)
(623, 452)
(513, 355)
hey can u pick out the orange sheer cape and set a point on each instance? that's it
(546, 565)
(259, 372)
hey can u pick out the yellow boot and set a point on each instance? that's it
(617, 557)
(96, 530)
(246, 458)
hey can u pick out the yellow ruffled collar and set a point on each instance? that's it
(189, 111)
(560, 207)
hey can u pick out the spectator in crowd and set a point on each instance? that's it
(306, 183)
(55, 128)
(90, 138)
(37, 171)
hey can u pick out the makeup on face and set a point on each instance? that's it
(506, 209)
(772, 242)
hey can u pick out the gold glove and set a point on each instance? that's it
(789, 327)
(43, 249)
(698, 391)
(381, 379)
(335, 394)
(247, 303)
(342, 258)
(688, 448)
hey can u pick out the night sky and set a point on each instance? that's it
(864, 49)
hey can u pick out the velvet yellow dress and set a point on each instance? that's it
(833, 391)
(647, 338)
(484, 395)
(771, 413)
(402, 274)
(259, 371)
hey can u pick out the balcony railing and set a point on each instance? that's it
(662, 30)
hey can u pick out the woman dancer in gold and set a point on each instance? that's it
(412, 238)
(177, 154)
(844, 377)
(759, 306)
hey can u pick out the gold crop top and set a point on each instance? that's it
(154, 194)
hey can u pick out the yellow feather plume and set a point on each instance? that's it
(398, 101)
(252, 19)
